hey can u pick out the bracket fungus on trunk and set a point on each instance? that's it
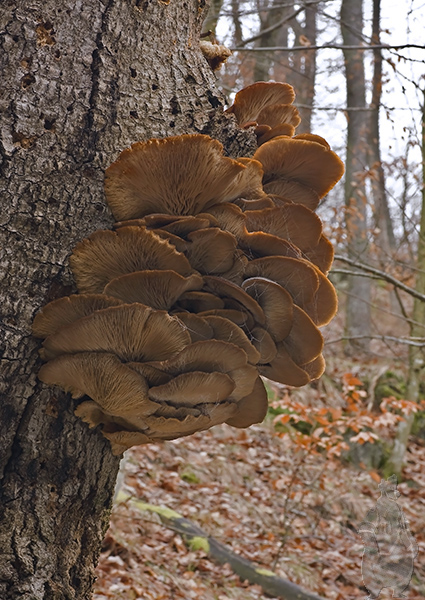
(214, 275)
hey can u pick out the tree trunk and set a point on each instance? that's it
(382, 216)
(81, 81)
(358, 289)
(417, 329)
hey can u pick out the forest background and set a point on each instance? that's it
(289, 494)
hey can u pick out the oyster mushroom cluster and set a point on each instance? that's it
(215, 275)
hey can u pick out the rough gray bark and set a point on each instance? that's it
(80, 82)
(358, 319)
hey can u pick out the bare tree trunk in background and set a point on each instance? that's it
(210, 23)
(303, 74)
(382, 216)
(263, 60)
(416, 375)
(80, 82)
(358, 318)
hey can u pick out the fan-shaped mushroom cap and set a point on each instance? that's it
(276, 303)
(197, 326)
(304, 342)
(321, 255)
(316, 367)
(123, 440)
(106, 255)
(230, 218)
(312, 137)
(298, 277)
(194, 388)
(283, 129)
(226, 289)
(133, 332)
(325, 303)
(177, 225)
(65, 311)
(292, 222)
(258, 244)
(179, 243)
(211, 250)
(200, 301)
(293, 191)
(180, 175)
(278, 114)
(164, 428)
(157, 289)
(303, 161)
(236, 316)
(263, 342)
(227, 331)
(207, 356)
(259, 204)
(251, 409)
(284, 370)
(153, 375)
(250, 101)
(117, 389)
(248, 183)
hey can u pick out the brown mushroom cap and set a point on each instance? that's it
(133, 332)
(276, 303)
(106, 255)
(207, 356)
(157, 289)
(164, 428)
(226, 289)
(316, 367)
(194, 388)
(248, 183)
(312, 137)
(230, 218)
(306, 162)
(258, 244)
(251, 409)
(250, 101)
(227, 331)
(179, 175)
(259, 204)
(322, 255)
(153, 375)
(211, 250)
(297, 276)
(65, 311)
(123, 440)
(117, 389)
(263, 342)
(293, 191)
(199, 301)
(292, 222)
(177, 225)
(304, 342)
(322, 308)
(283, 129)
(278, 114)
(236, 316)
(197, 326)
(284, 370)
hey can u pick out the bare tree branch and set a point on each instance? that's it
(418, 342)
(381, 275)
(323, 47)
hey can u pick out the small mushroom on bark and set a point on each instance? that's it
(250, 101)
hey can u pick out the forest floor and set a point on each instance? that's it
(293, 512)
